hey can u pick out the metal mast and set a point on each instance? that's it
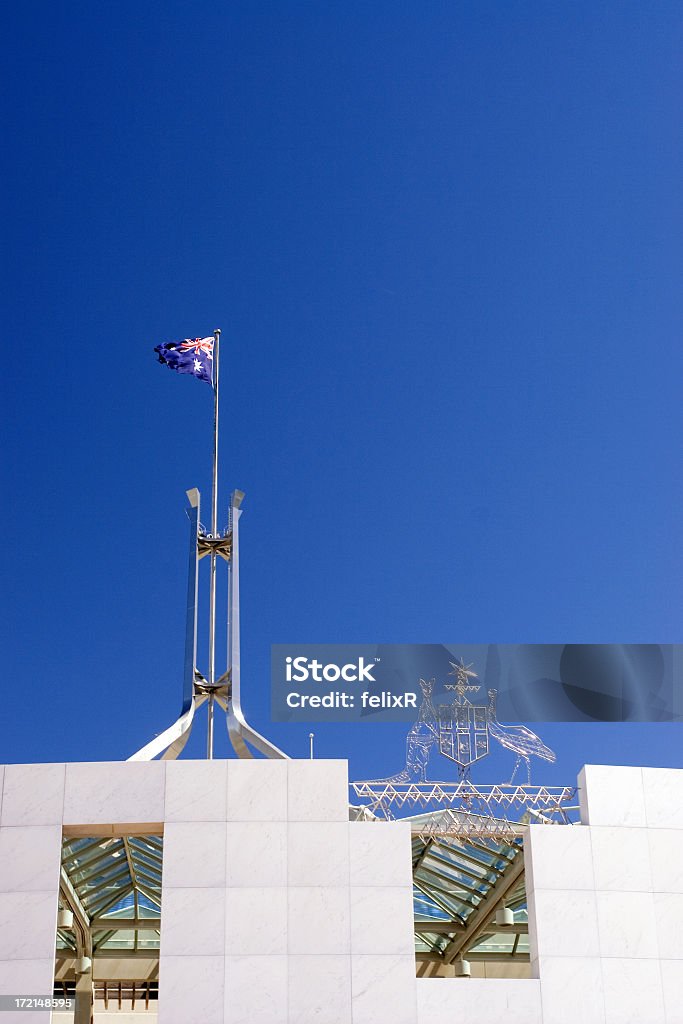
(214, 536)
(197, 689)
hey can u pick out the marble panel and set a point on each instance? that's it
(256, 921)
(668, 909)
(256, 853)
(611, 795)
(382, 920)
(523, 1004)
(194, 855)
(33, 794)
(34, 977)
(257, 790)
(451, 1000)
(571, 990)
(626, 924)
(633, 991)
(383, 989)
(28, 925)
(106, 792)
(191, 989)
(196, 790)
(192, 922)
(559, 857)
(477, 1000)
(663, 797)
(27, 1017)
(30, 858)
(666, 859)
(533, 935)
(317, 790)
(380, 853)
(318, 853)
(672, 990)
(565, 923)
(318, 920)
(319, 989)
(621, 860)
(256, 989)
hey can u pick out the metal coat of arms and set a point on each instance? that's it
(460, 731)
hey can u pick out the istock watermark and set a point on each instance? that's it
(300, 670)
(313, 682)
(525, 682)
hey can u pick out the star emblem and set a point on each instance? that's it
(462, 673)
(198, 366)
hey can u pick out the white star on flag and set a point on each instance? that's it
(198, 366)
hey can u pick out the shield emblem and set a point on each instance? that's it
(463, 732)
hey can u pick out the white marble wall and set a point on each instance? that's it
(478, 1001)
(275, 907)
(30, 844)
(606, 901)
(278, 909)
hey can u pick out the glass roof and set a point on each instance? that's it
(117, 881)
(454, 878)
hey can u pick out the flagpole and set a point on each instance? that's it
(214, 534)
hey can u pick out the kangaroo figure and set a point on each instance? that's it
(420, 740)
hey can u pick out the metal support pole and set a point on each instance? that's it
(310, 737)
(214, 534)
(84, 999)
(209, 733)
(239, 730)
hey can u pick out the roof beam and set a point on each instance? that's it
(438, 927)
(133, 878)
(117, 924)
(105, 879)
(435, 868)
(92, 860)
(82, 933)
(152, 896)
(460, 868)
(67, 958)
(100, 907)
(72, 900)
(429, 843)
(477, 922)
(505, 958)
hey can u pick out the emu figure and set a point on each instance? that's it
(517, 738)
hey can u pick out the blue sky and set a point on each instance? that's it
(443, 243)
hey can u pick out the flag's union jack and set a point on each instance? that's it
(197, 345)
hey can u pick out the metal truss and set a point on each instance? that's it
(461, 808)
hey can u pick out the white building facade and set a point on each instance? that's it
(276, 909)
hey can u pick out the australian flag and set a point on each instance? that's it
(194, 355)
